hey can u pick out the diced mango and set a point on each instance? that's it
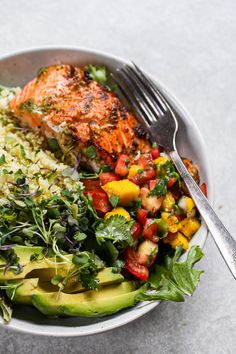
(118, 211)
(186, 204)
(176, 239)
(126, 190)
(189, 226)
(161, 160)
(171, 221)
(168, 202)
(134, 170)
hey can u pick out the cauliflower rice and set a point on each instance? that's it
(22, 153)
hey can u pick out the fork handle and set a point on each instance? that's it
(222, 238)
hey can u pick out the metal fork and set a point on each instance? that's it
(157, 114)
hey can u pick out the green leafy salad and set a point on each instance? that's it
(78, 243)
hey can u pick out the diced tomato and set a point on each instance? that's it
(145, 160)
(91, 184)
(150, 230)
(136, 231)
(171, 182)
(147, 253)
(148, 172)
(155, 153)
(143, 177)
(122, 165)
(106, 177)
(131, 264)
(142, 216)
(100, 200)
(153, 183)
(204, 189)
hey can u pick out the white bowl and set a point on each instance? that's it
(16, 70)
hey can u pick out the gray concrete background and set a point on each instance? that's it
(190, 46)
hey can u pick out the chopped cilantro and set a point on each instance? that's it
(160, 188)
(127, 163)
(118, 265)
(114, 200)
(116, 229)
(98, 73)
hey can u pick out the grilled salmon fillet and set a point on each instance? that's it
(63, 102)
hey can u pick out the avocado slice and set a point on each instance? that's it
(105, 277)
(27, 287)
(94, 303)
(24, 253)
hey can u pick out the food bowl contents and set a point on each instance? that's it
(93, 215)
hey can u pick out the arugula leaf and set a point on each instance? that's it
(5, 308)
(173, 279)
(114, 200)
(98, 73)
(116, 229)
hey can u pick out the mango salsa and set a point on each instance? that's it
(118, 211)
(126, 190)
(134, 169)
(171, 221)
(189, 226)
(177, 239)
(168, 202)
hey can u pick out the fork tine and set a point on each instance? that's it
(150, 86)
(153, 106)
(148, 94)
(124, 87)
(139, 95)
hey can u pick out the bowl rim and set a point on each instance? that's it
(124, 318)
